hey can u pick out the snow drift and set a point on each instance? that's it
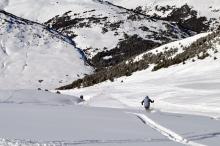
(33, 56)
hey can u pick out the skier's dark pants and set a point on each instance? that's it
(147, 108)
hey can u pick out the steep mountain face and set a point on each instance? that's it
(196, 15)
(108, 34)
(200, 47)
(33, 56)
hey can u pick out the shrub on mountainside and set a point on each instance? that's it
(161, 60)
(110, 73)
(199, 48)
(203, 56)
(130, 46)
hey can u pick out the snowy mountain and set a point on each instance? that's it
(196, 15)
(202, 12)
(33, 56)
(187, 81)
(166, 49)
(109, 34)
(132, 26)
(101, 29)
(194, 48)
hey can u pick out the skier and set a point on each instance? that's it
(81, 99)
(147, 102)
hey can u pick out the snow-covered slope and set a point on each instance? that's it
(190, 86)
(185, 76)
(194, 48)
(33, 56)
(41, 11)
(110, 34)
(177, 46)
(36, 97)
(208, 9)
(38, 10)
(93, 23)
(99, 28)
(44, 118)
(195, 14)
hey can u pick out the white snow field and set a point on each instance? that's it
(34, 57)
(37, 117)
(40, 118)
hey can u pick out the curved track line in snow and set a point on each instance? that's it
(166, 132)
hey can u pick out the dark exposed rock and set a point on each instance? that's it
(164, 8)
(65, 22)
(144, 28)
(185, 17)
(134, 17)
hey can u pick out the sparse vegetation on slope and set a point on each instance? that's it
(131, 46)
(121, 33)
(199, 49)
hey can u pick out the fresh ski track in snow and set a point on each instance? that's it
(39, 115)
(164, 131)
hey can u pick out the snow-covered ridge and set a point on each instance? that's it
(195, 48)
(41, 11)
(192, 14)
(180, 45)
(93, 26)
(33, 56)
(92, 23)
(204, 8)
